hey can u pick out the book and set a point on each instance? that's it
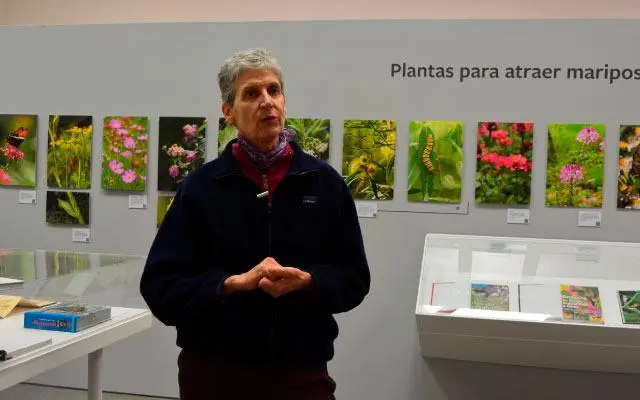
(67, 317)
(10, 283)
(581, 304)
(489, 297)
(629, 301)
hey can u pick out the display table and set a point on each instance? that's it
(69, 346)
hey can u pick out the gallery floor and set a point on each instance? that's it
(36, 392)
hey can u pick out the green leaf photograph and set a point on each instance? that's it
(164, 203)
(312, 134)
(67, 208)
(368, 154)
(226, 133)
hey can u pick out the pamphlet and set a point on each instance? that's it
(581, 304)
(629, 306)
(489, 297)
(9, 304)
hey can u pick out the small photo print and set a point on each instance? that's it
(489, 297)
(182, 148)
(67, 208)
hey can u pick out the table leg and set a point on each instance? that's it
(95, 375)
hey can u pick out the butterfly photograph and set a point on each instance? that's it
(18, 144)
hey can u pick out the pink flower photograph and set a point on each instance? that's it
(181, 149)
(505, 153)
(124, 145)
(575, 165)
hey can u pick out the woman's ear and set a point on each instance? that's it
(226, 111)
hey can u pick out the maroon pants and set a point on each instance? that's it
(201, 378)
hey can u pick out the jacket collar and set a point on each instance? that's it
(226, 164)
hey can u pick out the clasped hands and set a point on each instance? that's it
(269, 276)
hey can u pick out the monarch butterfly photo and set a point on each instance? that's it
(435, 161)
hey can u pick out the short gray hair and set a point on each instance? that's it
(240, 62)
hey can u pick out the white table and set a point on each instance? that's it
(69, 346)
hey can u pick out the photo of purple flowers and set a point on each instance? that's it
(181, 149)
(124, 145)
(575, 165)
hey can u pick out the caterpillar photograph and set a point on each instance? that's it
(435, 161)
(426, 154)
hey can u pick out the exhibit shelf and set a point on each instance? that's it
(530, 302)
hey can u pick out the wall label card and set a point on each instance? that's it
(137, 201)
(367, 210)
(27, 197)
(518, 216)
(80, 235)
(592, 219)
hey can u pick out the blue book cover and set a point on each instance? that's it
(66, 317)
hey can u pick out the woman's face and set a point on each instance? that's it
(258, 111)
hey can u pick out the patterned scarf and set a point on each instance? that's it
(264, 160)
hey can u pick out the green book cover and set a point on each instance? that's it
(629, 306)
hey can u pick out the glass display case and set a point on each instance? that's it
(73, 276)
(33, 342)
(536, 302)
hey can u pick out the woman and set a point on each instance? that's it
(258, 251)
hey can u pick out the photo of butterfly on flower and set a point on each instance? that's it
(18, 141)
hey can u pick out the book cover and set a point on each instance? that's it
(629, 301)
(67, 317)
(581, 304)
(489, 297)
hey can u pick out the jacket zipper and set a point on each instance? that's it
(265, 186)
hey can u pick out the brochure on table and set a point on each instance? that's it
(527, 301)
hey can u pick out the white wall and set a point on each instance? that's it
(20, 12)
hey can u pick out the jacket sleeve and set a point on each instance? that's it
(175, 284)
(343, 283)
